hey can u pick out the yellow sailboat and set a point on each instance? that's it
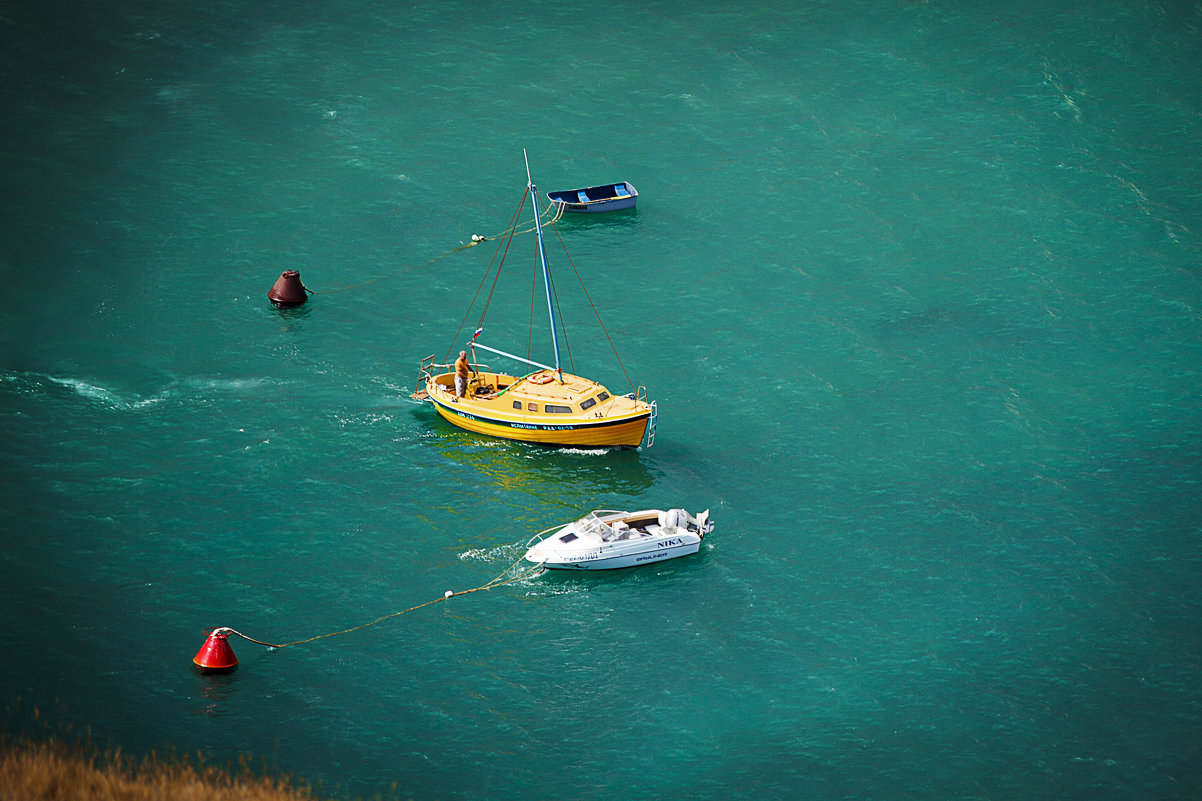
(543, 404)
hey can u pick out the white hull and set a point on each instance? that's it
(598, 560)
(611, 540)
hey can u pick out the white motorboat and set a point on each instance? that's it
(605, 539)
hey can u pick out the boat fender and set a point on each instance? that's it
(541, 378)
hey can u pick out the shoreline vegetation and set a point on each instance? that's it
(53, 770)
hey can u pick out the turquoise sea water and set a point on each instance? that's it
(917, 289)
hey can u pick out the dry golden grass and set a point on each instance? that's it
(53, 771)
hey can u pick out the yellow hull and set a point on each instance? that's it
(612, 423)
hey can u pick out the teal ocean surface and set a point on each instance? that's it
(917, 287)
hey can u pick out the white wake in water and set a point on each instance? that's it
(105, 396)
(93, 391)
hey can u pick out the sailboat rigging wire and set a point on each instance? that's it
(563, 326)
(504, 246)
(500, 580)
(497, 276)
(600, 322)
(533, 303)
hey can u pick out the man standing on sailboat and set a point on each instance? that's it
(462, 371)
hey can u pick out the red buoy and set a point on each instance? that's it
(216, 655)
(288, 290)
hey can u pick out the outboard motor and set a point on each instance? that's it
(674, 517)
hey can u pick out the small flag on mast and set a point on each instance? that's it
(479, 331)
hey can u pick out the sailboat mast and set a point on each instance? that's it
(542, 257)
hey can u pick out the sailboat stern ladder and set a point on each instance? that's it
(651, 423)
(424, 374)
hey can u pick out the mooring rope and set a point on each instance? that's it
(501, 252)
(379, 278)
(500, 580)
(556, 211)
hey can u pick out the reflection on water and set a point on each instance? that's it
(550, 474)
(214, 691)
(291, 313)
(587, 236)
(623, 218)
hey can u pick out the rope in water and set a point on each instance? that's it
(500, 580)
(556, 211)
(378, 278)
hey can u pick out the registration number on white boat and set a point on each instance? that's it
(583, 557)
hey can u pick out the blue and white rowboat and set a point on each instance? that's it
(591, 199)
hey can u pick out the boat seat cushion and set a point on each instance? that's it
(583, 196)
(620, 190)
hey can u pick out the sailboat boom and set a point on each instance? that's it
(510, 356)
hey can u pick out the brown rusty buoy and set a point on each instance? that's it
(216, 655)
(288, 290)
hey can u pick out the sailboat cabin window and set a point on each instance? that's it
(604, 396)
(532, 407)
(588, 404)
(517, 405)
(550, 409)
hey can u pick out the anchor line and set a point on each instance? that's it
(379, 278)
(476, 240)
(499, 581)
(555, 210)
(501, 252)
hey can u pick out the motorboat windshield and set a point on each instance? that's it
(596, 527)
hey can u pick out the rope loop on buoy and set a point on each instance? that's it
(500, 580)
